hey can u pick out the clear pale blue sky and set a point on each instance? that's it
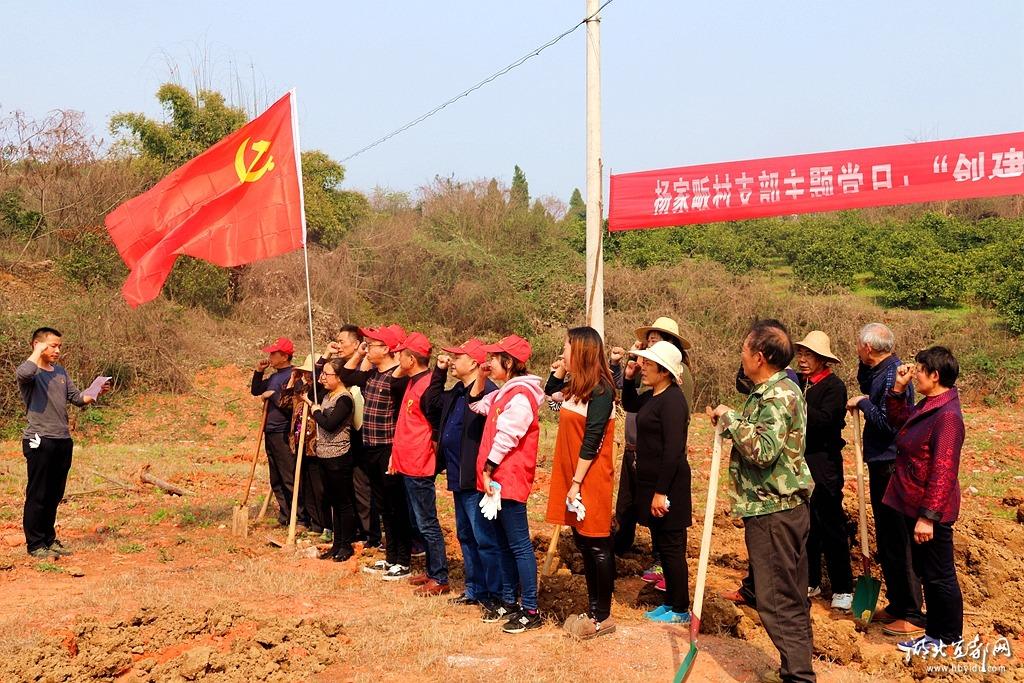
(683, 82)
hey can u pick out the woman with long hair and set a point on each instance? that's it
(583, 471)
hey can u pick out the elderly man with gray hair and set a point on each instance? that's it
(876, 374)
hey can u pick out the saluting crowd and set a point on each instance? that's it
(387, 415)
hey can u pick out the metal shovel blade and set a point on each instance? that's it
(865, 598)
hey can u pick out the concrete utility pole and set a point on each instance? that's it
(595, 210)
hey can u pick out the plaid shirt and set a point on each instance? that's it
(378, 409)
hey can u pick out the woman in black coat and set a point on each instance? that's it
(825, 394)
(662, 471)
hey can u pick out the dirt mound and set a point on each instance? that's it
(836, 640)
(990, 563)
(561, 595)
(161, 643)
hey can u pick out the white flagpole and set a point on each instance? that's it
(305, 251)
(290, 543)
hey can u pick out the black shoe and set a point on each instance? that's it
(498, 612)
(44, 554)
(464, 599)
(523, 621)
(418, 549)
(342, 555)
(372, 543)
(59, 548)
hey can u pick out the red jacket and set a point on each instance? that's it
(511, 436)
(925, 482)
(412, 453)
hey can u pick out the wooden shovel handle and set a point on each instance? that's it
(709, 523)
(256, 455)
(858, 452)
(298, 477)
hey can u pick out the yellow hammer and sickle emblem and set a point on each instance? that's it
(251, 174)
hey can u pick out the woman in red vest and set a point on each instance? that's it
(505, 468)
(583, 471)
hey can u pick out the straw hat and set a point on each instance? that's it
(818, 342)
(664, 354)
(307, 365)
(665, 325)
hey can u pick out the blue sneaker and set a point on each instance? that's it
(657, 612)
(670, 617)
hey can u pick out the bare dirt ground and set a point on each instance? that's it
(159, 589)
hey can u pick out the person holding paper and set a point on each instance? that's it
(46, 442)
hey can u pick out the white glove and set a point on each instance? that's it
(491, 503)
(577, 507)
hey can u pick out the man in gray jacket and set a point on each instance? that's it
(46, 442)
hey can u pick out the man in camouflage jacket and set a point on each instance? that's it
(771, 485)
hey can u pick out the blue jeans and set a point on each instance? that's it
(481, 555)
(423, 510)
(518, 563)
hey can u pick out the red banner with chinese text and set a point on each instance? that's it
(987, 166)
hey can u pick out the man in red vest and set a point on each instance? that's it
(414, 459)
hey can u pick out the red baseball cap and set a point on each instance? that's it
(392, 335)
(472, 347)
(283, 344)
(417, 343)
(515, 346)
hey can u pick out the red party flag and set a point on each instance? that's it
(238, 202)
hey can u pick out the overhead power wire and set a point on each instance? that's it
(423, 117)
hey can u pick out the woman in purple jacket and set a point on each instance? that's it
(925, 486)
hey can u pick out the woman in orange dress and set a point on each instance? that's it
(583, 470)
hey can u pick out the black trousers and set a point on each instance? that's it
(48, 466)
(390, 490)
(315, 505)
(902, 587)
(367, 504)
(933, 563)
(777, 548)
(340, 498)
(671, 548)
(599, 569)
(625, 513)
(281, 461)
(829, 536)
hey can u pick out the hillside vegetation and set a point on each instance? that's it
(456, 259)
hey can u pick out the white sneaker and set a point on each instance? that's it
(397, 572)
(378, 567)
(814, 592)
(842, 601)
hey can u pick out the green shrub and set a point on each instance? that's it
(926, 277)
(824, 264)
(91, 259)
(15, 219)
(198, 283)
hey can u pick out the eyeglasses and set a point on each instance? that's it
(328, 374)
(377, 344)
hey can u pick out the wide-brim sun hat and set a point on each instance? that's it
(818, 342)
(307, 365)
(664, 325)
(664, 354)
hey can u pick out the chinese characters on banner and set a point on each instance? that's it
(987, 166)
